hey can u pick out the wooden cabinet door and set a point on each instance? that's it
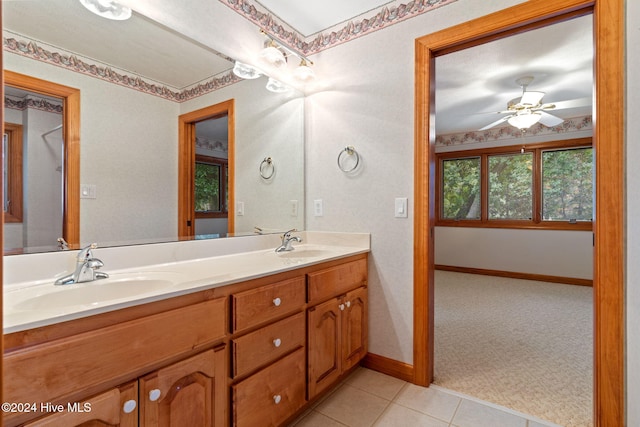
(324, 356)
(354, 328)
(114, 408)
(191, 392)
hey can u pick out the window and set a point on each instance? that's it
(567, 185)
(546, 185)
(510, 186)
(461, 184)
(211, 187)
(12, 166)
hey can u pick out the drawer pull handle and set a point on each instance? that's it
(277, 342)
(341, 307)
(348, 303)
(277, 302)
(129, 406)
(277, 398)
(154, 395)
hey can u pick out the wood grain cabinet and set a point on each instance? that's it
(188, 393)
(268, 353)
(117, 407)
(337, 327)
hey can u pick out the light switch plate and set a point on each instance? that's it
(240, 208)
(401, 207)
(88, 191)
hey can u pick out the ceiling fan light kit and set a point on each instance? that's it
(527, 110)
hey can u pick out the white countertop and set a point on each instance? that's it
(35, 303)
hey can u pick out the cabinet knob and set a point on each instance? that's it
(277, 342)
(348, 304)
(277, 398)
(129, 406)
(341, 307)
(154, 394)
(277, 302)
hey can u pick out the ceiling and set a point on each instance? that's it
(311, 17)
(469, 83)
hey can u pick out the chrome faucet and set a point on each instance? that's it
(86, 266)
(287, 238)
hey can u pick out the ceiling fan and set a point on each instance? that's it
(527, 110)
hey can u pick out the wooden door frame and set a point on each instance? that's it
(608, 275)
(71, 136)
(187, 159)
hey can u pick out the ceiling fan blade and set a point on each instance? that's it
(572, 103)
(530, 99)
(549, 120)
(496, 123)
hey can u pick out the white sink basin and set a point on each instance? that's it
(99, 291)
(303, 253)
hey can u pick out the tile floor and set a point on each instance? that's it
(368, 398)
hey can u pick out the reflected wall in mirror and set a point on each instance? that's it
(130, 101)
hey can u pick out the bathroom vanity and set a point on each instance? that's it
(252, 350)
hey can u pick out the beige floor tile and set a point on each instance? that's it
(428, 401)
(472, 414)
(353, 407)
(316, 419)
(373, 382)
(400, 416)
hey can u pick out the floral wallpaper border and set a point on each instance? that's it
(574, 124)
(71, 62)
(338, 34)
(36, 103)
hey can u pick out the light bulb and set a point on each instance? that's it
(304, 72)
(273, 56)
(108, 9)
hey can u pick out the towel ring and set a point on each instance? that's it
(264, 166)
(350, 151)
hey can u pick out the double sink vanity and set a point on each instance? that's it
(201, 333)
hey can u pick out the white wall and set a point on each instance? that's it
(633, 208)
(266, 125)
(368, 103)
(128, 150)
(547, 252)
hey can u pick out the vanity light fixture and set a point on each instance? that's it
(245, 71)
(272, 55)
(524, 119)
(276, 53)
(304, 72)
(108, 9)
(276, 86)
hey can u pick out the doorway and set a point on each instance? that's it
(70, 129)
(608, 140)
(206, 121)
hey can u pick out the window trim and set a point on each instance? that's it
(14, 171)
(224, 164)
(484, 222)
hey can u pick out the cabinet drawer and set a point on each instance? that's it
(256, 306)
(272, 395)
(62, 367)
(266, 344)
(337, 280)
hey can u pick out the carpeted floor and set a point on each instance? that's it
(522, 344)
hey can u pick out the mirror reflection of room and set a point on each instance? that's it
(33, 152)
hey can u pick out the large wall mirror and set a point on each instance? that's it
(135, 79)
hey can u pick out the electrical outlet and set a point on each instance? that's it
(317, 207)
(294, 207)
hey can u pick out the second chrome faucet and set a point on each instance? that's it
(287, 239)
(86, 268)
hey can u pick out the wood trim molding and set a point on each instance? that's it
(186, 162)
(71, 132)
(388, 366)
(516, 275)
(14, 171)
(608, 283)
